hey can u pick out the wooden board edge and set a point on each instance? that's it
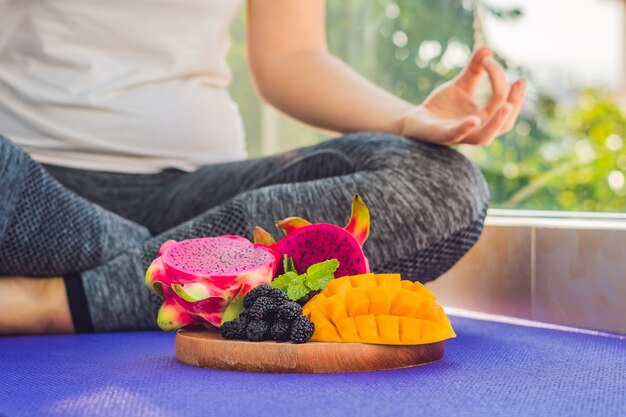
(208, 350)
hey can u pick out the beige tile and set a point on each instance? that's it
(494, 277)
(580, 278)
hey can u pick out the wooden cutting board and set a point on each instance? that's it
(209, 350)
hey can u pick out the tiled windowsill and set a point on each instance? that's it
(556, 219)
(563, 268)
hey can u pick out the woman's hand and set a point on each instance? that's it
(451, 116)
(295, 73)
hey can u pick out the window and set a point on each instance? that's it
(567, 151)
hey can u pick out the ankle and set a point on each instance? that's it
(34, 305)
(55, 307)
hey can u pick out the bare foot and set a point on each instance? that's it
(34, 305)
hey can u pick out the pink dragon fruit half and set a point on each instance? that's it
(309, 243)
(201, 278)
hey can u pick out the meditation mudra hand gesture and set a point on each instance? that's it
(122, 164)
(450, 114)
(335, 97)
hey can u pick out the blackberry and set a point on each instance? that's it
(289, 311)
(256, 292)
(301, 330)
(263, 308)
(235, 329)
(257, 330)
(278, 295)
(280, 330)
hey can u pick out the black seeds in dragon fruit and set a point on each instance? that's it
(320, 242)
(308, 243)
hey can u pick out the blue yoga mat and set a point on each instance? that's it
(491, 369)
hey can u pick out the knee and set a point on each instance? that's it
(427, 176)
(455, 184)
(427, 204)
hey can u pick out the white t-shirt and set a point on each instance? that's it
(117, 85)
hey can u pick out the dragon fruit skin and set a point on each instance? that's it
(308, 243)
(199, 278)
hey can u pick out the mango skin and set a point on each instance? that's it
(378, 309)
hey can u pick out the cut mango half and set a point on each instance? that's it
(379, 309)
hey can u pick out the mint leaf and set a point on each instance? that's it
(296, 286)
(288, 265)
(323, 268)
(282, 281)
(318, 283)
(320, 274)
(297, 289)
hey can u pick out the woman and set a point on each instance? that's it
(119, 134)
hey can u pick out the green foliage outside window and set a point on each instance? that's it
(557, 158)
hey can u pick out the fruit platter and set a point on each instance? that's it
(306, 303)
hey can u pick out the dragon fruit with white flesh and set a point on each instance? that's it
(201, 278)
(309, 243)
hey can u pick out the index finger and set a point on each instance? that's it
(499, 84)
(468, 78)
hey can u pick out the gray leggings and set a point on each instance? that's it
(427, 206)
(427, 202)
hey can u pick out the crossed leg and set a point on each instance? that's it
(427, 205)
